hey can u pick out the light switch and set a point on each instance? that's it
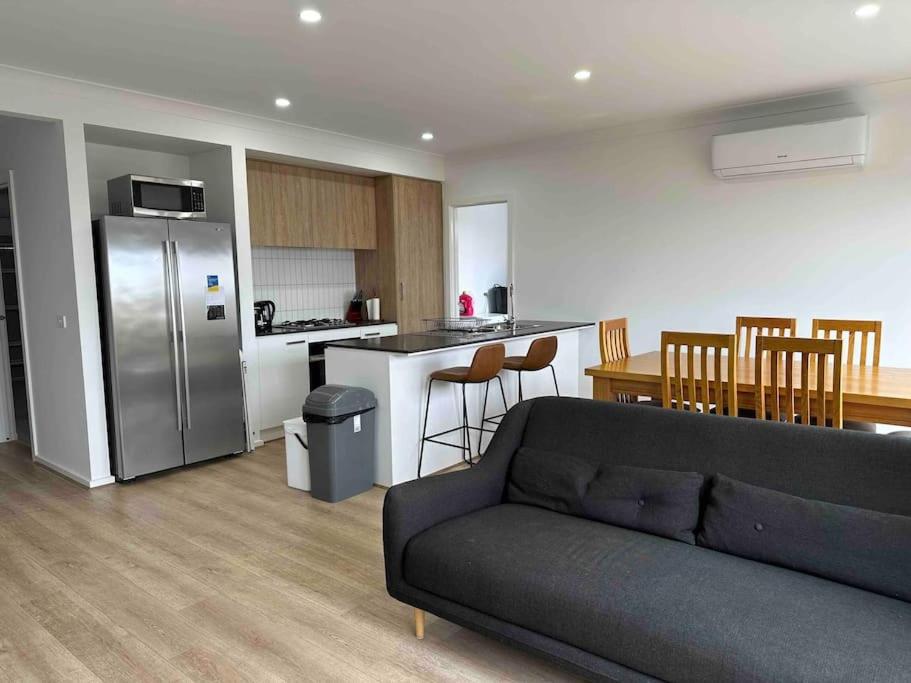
(61, 322)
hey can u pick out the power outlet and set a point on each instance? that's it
(61, 322)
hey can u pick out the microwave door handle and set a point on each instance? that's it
(172, 320)
(183, 334)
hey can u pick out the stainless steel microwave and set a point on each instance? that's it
(140, 195)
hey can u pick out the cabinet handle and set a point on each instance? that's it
(372, 334)
(401, 291)
(295, 343)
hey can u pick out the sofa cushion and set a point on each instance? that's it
(839, 466)
(549, 480)
(666, 609)
(859, 547)
(660, 502)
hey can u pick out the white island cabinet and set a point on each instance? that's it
(397, 369)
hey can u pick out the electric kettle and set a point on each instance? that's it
(264, 312)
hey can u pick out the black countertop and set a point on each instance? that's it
(422, 342)
(302, 330)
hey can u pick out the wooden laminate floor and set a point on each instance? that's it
(215, 572)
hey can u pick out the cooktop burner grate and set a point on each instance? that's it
(316, 322)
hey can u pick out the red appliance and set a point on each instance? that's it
(466, 306)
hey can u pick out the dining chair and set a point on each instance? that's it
(750, 327)
(851, 331)
(685, 391)
(815, 355)
(613, 338)
(869, 334)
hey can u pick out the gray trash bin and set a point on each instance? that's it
(341, 441)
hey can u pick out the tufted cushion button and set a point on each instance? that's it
(758, 526)
(641, 502)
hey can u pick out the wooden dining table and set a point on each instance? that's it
(871, 394)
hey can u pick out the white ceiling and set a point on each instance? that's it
(475, 72)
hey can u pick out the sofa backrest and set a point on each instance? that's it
(839, 466)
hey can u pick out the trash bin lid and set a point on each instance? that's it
(337, 400)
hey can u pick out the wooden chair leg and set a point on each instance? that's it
(419, 623)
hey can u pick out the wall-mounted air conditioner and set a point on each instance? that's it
(788, 149)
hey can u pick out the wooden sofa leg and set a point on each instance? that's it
(419, 623)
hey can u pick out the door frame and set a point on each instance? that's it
(451, 244)
(8, 178)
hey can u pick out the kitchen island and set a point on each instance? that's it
(397, 369)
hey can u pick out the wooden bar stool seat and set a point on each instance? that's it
(485, 367)
(540, 356)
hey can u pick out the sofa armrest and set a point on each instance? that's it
(417, 505)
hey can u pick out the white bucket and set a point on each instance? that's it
(297, 457)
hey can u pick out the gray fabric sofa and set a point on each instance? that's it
(616, 603)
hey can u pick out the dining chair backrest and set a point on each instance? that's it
(682, 389)
(750, 327)
(850, 330)
(815, 355)
(613, 337)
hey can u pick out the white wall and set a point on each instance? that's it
(34, 151)
(107, 161)
(482, 236)
(77, 104)
(626, 223)
(214, 168)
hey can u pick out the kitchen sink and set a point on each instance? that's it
(480, 331)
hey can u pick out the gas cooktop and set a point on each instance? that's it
(313, 324)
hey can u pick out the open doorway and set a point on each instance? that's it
(14, 401)
(483, 263)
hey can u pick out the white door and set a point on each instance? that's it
(481, 258)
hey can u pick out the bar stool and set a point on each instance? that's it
(485, 366)
(541, 354)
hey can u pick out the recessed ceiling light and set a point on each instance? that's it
(582, 75)
(867, 11)
(427, 136)
(310, 16)
(282, 102)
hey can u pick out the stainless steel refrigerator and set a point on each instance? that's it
(171, 342)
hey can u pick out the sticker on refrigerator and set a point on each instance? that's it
(215, 299)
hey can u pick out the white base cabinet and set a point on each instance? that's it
(284, 372)
(284, 378)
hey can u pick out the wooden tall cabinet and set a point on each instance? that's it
(406, 270)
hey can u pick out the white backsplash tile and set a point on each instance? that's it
(304, 283)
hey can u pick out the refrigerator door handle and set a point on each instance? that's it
(172, 312)
(183, 334)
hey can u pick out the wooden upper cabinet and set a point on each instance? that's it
(342, 210)
(293, 206)
(261, 203)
